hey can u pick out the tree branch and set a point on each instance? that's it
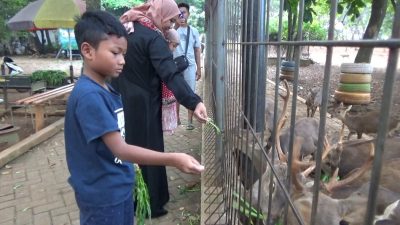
(393, 3)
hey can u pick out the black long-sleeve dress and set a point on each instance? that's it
(147, 62)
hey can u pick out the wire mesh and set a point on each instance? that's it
(247, 180)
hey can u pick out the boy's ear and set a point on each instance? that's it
(87, 50)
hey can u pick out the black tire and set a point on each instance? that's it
(288, 63)
(286, 68)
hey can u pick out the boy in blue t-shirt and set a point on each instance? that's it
(99, 160)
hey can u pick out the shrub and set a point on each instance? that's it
(52, 77)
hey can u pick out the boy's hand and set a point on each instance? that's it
(201, 112)
(187, 163)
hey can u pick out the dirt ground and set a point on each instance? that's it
(312, 76)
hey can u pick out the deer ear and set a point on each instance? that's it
(341, 104)
(348, 108)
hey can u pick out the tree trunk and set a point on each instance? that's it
(93, 4)
(48, 40)
(378, 12)
(291, 33)
(37, 42)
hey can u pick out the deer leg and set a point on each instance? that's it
(350, 134)
(313, 111)
(359, 135)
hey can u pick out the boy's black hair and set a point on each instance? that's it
(95, 26)
(183, 4)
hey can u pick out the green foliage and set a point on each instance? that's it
(7, 10)
(52, 77)
(142, 197)
(197, 15)
(314, 31)
(351, 8)
(311, 31)
(117, 4)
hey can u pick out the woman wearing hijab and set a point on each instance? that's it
(148, 63)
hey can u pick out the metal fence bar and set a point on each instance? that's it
(323, 109)
(235, 55)
(384, 119)
(390, 43)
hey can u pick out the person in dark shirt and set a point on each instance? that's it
(98, 158)
(148, 63)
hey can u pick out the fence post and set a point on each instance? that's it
(254, 62)
(220, 75)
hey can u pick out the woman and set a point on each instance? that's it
(148, 62)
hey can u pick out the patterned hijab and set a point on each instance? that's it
(156, 11)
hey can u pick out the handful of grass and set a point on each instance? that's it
(142, 197)
(211, 123)
(245, 208)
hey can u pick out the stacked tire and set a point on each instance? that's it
(287, 70)
(355, 84)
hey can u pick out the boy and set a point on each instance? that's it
(99, 160)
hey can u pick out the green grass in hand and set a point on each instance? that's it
(211, 123)
(142, 197)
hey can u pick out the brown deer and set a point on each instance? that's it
(313, 100)
(329, 210)
(251, 163)
(361, 122)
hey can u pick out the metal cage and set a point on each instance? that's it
(242, 179)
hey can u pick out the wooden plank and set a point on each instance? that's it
(49, 96)
(44, 94)
(40, 101)
(39, 117)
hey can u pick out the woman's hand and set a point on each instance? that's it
(201, 112)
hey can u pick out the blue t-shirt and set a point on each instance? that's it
(97, 176)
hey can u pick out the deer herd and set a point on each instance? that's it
(341, 201)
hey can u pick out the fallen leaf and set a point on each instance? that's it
(17, 186)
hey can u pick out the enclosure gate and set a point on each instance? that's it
(235, 93)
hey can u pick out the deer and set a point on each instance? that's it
(251, 163)
(313, 100)
(330, 210)
(362, 122)
(351, 154)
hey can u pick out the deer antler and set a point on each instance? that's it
(332, 184)
(326, 150)
(281, 122)
(297, 164)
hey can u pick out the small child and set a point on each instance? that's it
(98, 158)
(169, 115)
(173, 39)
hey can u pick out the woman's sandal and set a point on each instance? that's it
(190, 127)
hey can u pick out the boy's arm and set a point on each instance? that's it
(143, 156)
